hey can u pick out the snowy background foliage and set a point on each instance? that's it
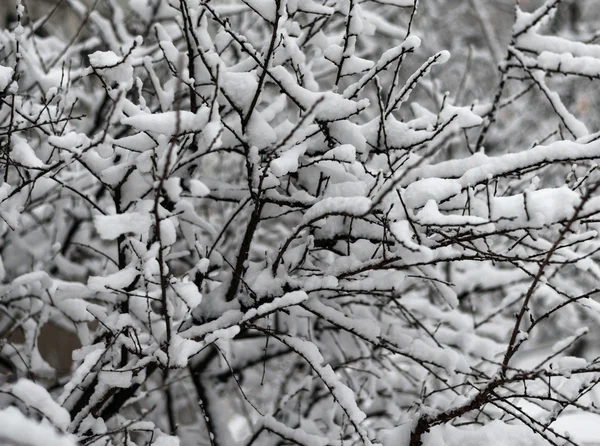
(310, 222)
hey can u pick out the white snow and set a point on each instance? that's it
(17, 429)
(6, 74)
(584, 66)
(402, 95)
(288, 161)
(118, 280)
(35, 396)
(181, 349)
(332, 106)
(111, 227)
(479, 167)
(198, 188)
(296, 435)
(240, 87)
(168, 231)
(411, 43)
(189, 292)
(92, 355)
(430, 215)
(287, 300)
(574, 125)
(365, 328)
(169, 123)
(495, 432)
(23, 154)
(112, 66)
(535, 208)
(343, 395)
(352, 207)
(116, 378)
(419, 192)
(102, 59)
(583, 428)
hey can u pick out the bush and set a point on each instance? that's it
(266, 222)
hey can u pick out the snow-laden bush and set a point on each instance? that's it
(267, 223)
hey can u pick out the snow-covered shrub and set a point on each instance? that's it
(267, 222)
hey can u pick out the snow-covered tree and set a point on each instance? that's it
(299, 222)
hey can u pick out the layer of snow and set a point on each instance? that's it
(35, 396)
(169, 123)
(352, 207)
(6, 74)
(20, 430)
(111, 227)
